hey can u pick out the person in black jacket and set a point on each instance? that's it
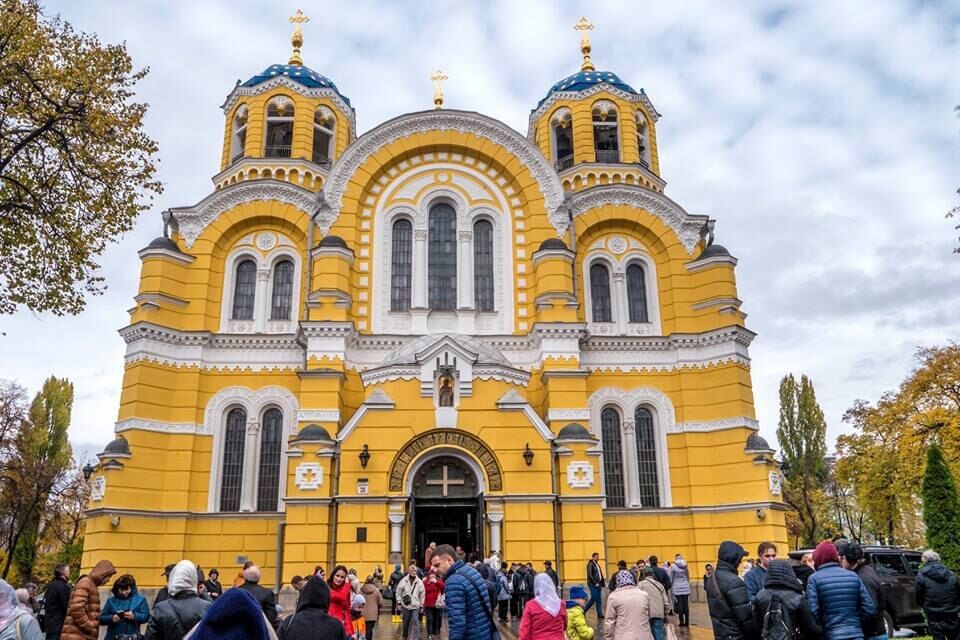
(938, 594)
(596, 583)
(781, 582)
(853, 558)
(55, 601)
(659, 573)
(251, 579)
(730, 608)
(311, 619)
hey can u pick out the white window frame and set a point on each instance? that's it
(617, 266)
(597, 107)
(561, 118)
(261, 322)
(278, 120)
(331, 130)
(237, 130)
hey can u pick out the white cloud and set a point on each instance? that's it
(820, 135)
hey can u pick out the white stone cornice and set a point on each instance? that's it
(706, 263)
(169, 254)
(284, 82)
(191, 221)
(704, 426)
(318, 415)
(686, 226)
(601, 87)
(160, 426)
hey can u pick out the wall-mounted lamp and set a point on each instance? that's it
(364, 457)
(88, 470)
(528, 455)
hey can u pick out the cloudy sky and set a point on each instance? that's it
(821, 136)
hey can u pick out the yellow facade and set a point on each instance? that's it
(438, 330)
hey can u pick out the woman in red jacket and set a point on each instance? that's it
(340, 597)
(432, 588)
(544, 617)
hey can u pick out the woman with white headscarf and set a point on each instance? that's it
(15, 622)
(544, 617)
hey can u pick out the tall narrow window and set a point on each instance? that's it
(442, 258)
(244, 290)
(400, 266)
(282, 298)
(271, 435)
(239, 139)
(232, 476)
(643, 142)
(647, 458)
(612, 457)
(561, 125)
(605, 134)
(600, 293)
(324, 123)
(483, 265)
(279, 128)
(637, 294)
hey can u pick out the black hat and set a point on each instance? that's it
(168, 569)
(547, 563)
(853, 552)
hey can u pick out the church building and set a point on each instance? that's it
(438, 330)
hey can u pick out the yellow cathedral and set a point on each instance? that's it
(440, 330)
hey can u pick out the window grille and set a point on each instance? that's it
(400, 268)
(647, 458)
(612, 457)
(483, 265)
(442, 258)
(232, 477)
(600, 293)
(271, 434)
(637, 294)
(282, 291)
(244, 290)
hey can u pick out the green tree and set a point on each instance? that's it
(941, 507)
(76, 167)
(802, 434)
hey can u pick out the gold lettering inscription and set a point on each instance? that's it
(450, 438)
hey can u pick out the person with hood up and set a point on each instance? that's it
(781, 584)
(853, 558)
(83, 612)
(268, 602)
(16, 623)
(432, 588)
(234, 616)
(174, 617)
(311, 621)
(838, 598)
(372, 601)
(938, 594)
(727, 600)
(680, 579)
(544, 617)
(577, 627)
(628, 611)
(659, 602)
(395, 579)
(125, 611)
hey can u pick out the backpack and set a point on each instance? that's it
(518, 583)
(776, 621)
(502, 587)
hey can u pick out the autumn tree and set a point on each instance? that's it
(76, 167)
(802, 434)
(941, 508)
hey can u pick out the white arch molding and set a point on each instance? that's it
(619, 293)
(430, 455)
(281, 247)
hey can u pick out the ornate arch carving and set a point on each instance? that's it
(446, 438)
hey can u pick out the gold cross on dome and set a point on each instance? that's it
(583, 27)
(438, 77)
(297, 39)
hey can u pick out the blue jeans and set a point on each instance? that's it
(656, 627)
(594, 597)
(880, 637)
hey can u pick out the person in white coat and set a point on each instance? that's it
(410, 594)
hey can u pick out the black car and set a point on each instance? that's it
(897, 568)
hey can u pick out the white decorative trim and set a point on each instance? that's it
(278, 247)
(98, 488)
(776, 483)
(240, 91)
(446, 120)
(513, 401)
(176, 256)
(580, 474)
(601, 87)
(318, 415)
(701, 264)
(191, 221)
(554, 415)
(619, 293)
(378, 401)
(720, 301)
(309, 476)
(687, 226)
(159, 426)
(737, 422)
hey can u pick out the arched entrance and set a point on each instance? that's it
(446, 506)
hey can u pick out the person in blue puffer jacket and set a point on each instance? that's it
(837, 598)
(469, 609)
(125, 611)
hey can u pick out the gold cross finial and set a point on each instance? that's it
(583, 27)
(297, 40)
(438, 77)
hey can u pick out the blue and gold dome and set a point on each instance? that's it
(582, 80)
(299, 74)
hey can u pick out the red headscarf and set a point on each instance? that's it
(825, 552)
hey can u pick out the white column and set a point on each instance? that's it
(630, 471)
(618, 302)
(261, 301)
(248, 491)
(418, 296)
(465, 271)
(496, 521)
(396, 532)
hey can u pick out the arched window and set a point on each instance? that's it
(282, 298)
(271, 435)
(600, 293)
(239, 139)
(244, 290)
(643, 142)
(442, 258)
(232, 477)
(605, 133)
(560, 126)
(401, 269)
(483, 265)
(637, 294)
(612, 456)
(279, 128)
(647, 458)
(324, 124)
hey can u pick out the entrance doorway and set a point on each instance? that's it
(446, 508)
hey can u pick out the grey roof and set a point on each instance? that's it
(713, 250)
(117, 446)
(574, 430)
(333, 241)
(756, 442)
(163, 242)
(407, 354)
(553, 243)
(313, 433)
